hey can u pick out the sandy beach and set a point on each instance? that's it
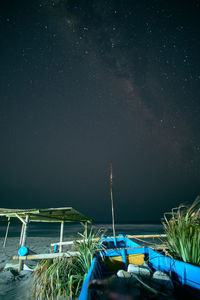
(39, 239)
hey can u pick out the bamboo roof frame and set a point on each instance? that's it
(53, 215)
(62, 214)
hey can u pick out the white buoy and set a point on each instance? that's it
(139, 270)
(163, 279)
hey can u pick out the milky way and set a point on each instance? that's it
(84, 83)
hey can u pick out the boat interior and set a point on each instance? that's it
(110, 276)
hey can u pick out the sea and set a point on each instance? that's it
(39, 239)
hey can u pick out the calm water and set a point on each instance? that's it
(70, 231)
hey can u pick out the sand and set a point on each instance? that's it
(39, 239)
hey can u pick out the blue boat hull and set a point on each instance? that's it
(184, 275)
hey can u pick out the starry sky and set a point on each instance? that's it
(84, 83)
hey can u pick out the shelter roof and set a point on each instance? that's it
(66, 214)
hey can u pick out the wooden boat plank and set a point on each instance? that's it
(46, 256)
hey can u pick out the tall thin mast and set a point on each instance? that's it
(112, 203)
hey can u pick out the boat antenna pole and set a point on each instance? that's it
(112, 203)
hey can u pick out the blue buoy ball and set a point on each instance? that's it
(23, 251)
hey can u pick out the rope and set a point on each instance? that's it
(145, 241)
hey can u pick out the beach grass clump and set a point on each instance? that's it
(64, 276)
(182, 227)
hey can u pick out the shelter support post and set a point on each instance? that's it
(6, 235)
(20, 218)
(61, 235)
(22, 232)
(25, 231)
(23, 242)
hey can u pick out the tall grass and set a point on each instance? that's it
(182, 227)
(64, 276)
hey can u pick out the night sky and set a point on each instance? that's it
(84, 83)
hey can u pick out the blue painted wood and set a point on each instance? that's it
(84, 290)
(182, 273)
(123, 254)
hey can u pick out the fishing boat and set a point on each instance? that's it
(122, 265)
(122, 253)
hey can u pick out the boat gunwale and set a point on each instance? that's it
(156, 262)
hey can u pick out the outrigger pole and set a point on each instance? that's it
(6, 235)
(112, 203)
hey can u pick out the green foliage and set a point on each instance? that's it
(182, 227)
(64, 276)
